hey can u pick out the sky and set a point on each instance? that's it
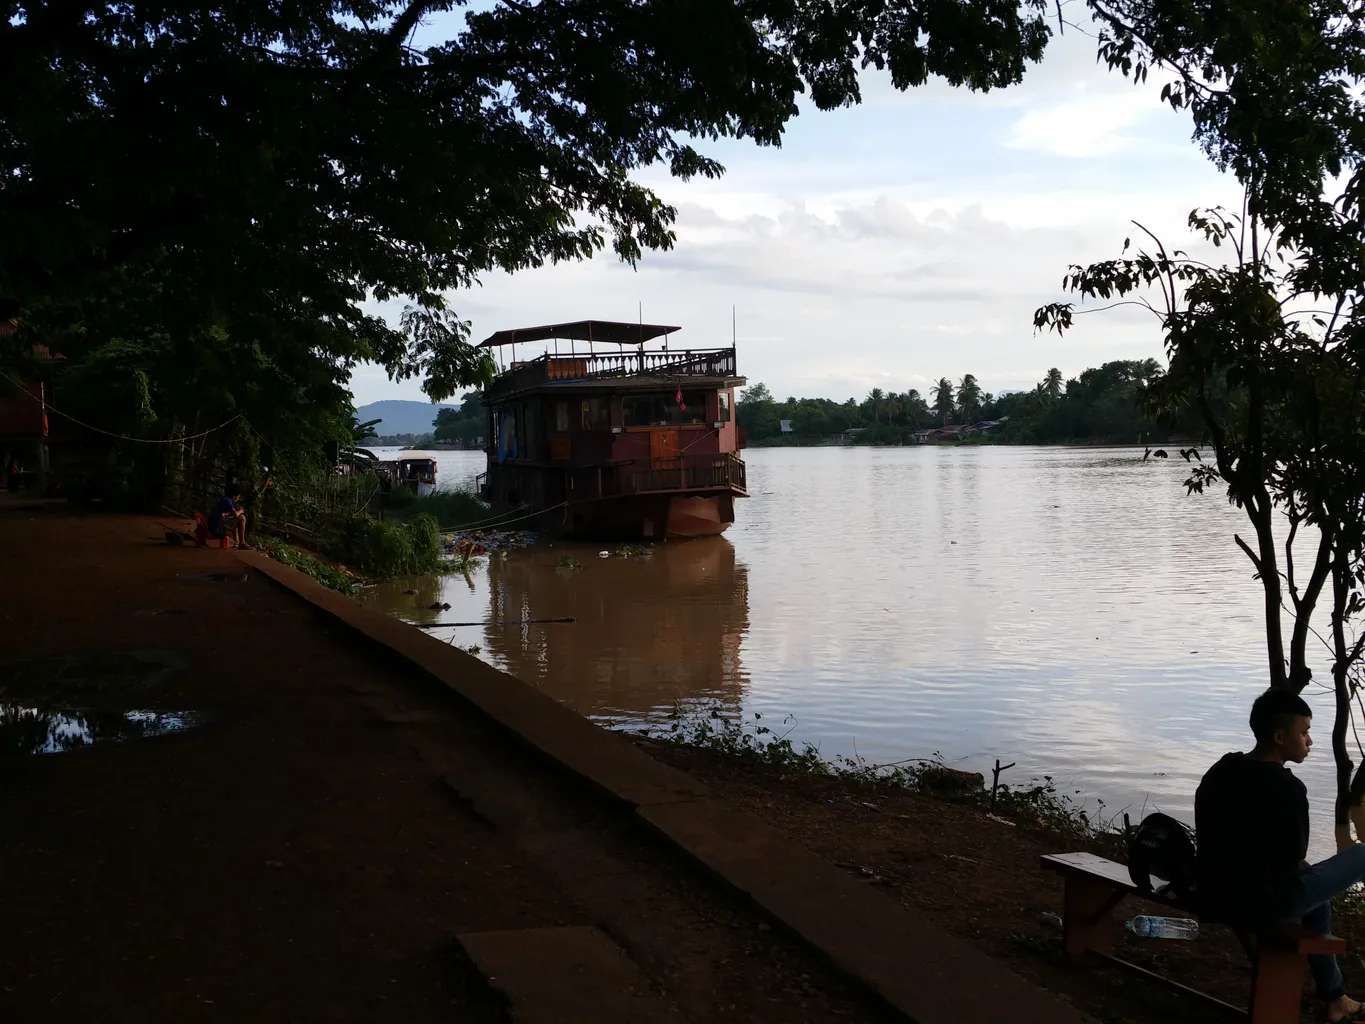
(893, 243)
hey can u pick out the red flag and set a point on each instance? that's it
(678, 398)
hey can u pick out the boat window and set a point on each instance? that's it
(692, 410)
(644, 410)
(562, 417)
(595, 414)
(661, 410)
(724, 410)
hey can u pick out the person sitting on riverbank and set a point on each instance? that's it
(1251, 820)
(228, 520)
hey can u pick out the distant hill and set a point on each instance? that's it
(401, 417)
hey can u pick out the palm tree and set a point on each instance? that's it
(915, 402)
(892, 405)
(360, 433)
(969, 398)
(1052, 383)
(874, 399)
(943, 398)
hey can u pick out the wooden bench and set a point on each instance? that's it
(1096, 886)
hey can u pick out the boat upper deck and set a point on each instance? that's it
(616, 371)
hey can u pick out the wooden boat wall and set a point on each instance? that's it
(633, 443)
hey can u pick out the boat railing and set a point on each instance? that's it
(684, 473)
(718, 362)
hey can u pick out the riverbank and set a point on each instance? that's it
(977, 877)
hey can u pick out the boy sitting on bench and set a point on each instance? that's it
(1251, 816)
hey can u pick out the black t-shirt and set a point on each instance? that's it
(1251, 822)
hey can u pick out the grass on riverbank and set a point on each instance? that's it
(328, 575)
(757, 745)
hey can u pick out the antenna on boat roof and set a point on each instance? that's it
(734, 328)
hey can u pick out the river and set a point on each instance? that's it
(1069, 609)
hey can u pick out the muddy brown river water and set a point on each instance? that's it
(1069, 609)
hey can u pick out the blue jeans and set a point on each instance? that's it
(1313, 905)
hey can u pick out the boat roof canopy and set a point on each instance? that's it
(610, 332)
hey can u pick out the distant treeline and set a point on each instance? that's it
(1100, 406)
(400, 440)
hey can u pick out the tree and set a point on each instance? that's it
(875, 400)
(464, 425)
(1275, 95)
(1280, 395)
(943, 399)
(354, 452)
(755, 394)
(756, 413)
(969, 398)
(1051, 385)
(915, 407)
(263, 170)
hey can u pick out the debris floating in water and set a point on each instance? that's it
(481, 542)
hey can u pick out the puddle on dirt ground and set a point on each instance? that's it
(26, 730)
(49, 705)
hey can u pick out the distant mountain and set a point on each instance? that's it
(401, 417)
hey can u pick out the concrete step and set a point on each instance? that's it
(561, 975)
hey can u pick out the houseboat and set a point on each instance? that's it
(612, 432)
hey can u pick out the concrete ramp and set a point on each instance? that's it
(561, 975)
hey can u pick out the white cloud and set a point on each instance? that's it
(1087, 125)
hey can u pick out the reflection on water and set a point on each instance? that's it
(25, 730)
(651, 631)
(1069, 609)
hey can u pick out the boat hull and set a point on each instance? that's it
(673, 517)
(697, 517)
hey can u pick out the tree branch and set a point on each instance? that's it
(1289, 561)
(1303, 610)
(1249, 553)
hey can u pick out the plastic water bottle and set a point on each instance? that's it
(1164, 928)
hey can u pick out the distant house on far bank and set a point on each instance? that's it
(785, 426)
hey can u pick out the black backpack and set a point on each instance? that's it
(1164, 848)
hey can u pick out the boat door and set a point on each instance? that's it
(663, 449)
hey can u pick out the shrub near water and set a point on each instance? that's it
(452, 510)
(393, 549)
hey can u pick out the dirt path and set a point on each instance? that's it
(310, 852)
(979, 879)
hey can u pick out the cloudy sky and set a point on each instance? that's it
(899, 241)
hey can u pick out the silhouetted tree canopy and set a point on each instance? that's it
(251, 175)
